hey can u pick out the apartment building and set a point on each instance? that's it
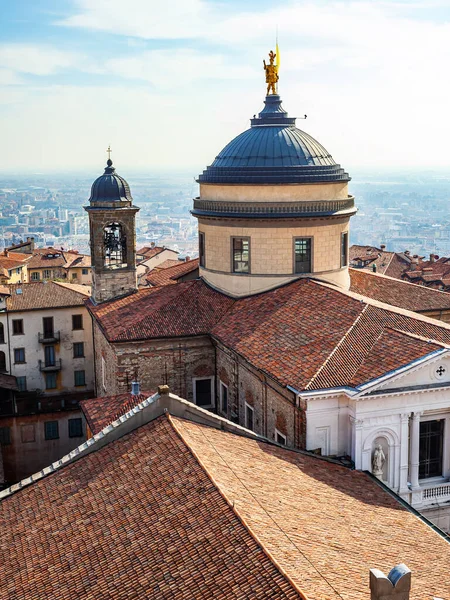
(46, 345)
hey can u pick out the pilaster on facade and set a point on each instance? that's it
(414, 450)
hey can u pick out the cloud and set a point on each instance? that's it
(36, 59)
(173, 68)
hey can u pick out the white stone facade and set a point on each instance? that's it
(391, 411)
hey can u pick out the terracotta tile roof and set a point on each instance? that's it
(99, 412)
(45, 295)
(293, 333)
(139, 518)
(41, 258)
(170, 262)
(190, 308)
(324, 524)
(393, 264)
(14, 260)
(150, 252)
(4, 290)
(396, 292)
(7, 382)
(77, 260)
(170, 275)
(397, 266)
(370, 349)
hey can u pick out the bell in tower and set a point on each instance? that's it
(112, 236)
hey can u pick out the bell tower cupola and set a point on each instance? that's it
(274, 206)
(112, 236)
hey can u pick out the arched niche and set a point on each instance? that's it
(114, 246)
(2, 362)
(389, 441)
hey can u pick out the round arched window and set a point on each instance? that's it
(115, 246)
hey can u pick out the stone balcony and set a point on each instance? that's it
(47, 367)
(431, 495)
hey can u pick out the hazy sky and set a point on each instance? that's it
(169, 83)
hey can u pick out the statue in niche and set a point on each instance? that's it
(378, 461)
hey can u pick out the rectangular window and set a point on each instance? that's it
(77, 321)
(47, 323)
(35, 276)
(5, 436)
(78, 349)
(19, 355)
(80, 377)
(75, 428)
(50, 381)
(17, 326)
(431, 448)
(203, 392)
(249, 413)
(49, 353)
(74, 275)
(103, 373)
(280, 438)
(46, 274)
(223, 391)
(302, 255)
(344, 249)
(21, 384)
(51, 430)
(241, 255)
(85, 271)
(201, 248)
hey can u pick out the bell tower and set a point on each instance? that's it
(112, 236)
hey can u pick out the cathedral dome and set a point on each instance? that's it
(273, 151)
(110, 187)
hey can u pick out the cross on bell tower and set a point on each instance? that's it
(112, 236)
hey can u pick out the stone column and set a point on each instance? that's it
(404, 453)
(414, 452)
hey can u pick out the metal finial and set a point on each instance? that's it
(109, 155)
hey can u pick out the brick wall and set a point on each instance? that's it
(274, 406)
(177, 361)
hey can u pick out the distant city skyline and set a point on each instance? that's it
(169, 84)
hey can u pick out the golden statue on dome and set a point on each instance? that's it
(272, 72)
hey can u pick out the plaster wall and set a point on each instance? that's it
(274, 193)
(155, 261)
(29, 451)
(34, 350)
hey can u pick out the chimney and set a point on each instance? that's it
(374, 267)
(406, 252)
(432, 257)
(6, 253)
(152, 244)
(135, 388)
(383, 247)
(396, 586)
(187, 258)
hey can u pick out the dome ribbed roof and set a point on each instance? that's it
(273, 150)
(110, 187)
